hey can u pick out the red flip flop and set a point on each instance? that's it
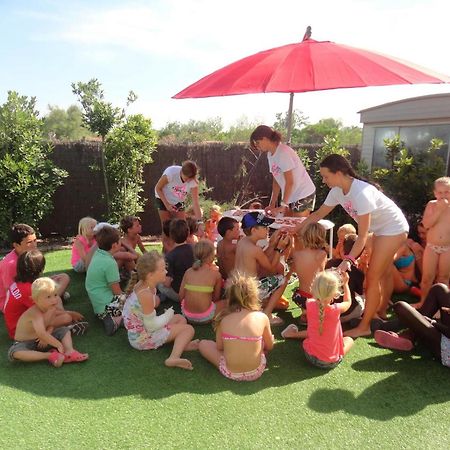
(75, 356)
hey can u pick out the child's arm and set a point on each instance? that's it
(217, 288)
(268, 337)
(140, 244)
(347, 302)
(79, 246)
(433, 212)
(182, 291)
(219, 340)
(115, 288)
(42, 334)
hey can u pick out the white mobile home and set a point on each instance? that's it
(417, 120)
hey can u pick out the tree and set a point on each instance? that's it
(192, 132)
(28, 178)
(99, 116)
(299, 120)
(127, 149)
(409, 179)
(65, 124)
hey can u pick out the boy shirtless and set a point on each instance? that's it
(132, 229)
(250, 259)
(436, 257)
(229, 229)
(34, 335)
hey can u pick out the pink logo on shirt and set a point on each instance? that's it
(276, 170)
(179, 192)
(352, 212)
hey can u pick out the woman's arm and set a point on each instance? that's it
(274, 195)
(195, 203)
(314, 217)
(163, 181)
(289, 180)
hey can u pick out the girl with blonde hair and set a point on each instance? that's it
(242, 333)
(307, 261)
(325, 345)
(146, 330)
(84, 245)
(201, 286)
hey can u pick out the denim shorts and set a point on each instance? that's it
(322, 364)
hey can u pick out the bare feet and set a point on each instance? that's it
(179, 362)
(358, 332)
(193, 345)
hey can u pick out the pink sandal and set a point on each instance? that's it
(75, 356)
(56, 359)
(389, 339)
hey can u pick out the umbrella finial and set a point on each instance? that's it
(307, 33)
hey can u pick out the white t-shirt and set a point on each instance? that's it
(283, 160)
(386, 218)
(175, 190)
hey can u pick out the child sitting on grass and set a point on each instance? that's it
(251, 260)
(242, 333)
(132, 229)
(23, 238)
(201, 286)
(84, 245)
(167, 242)
(307, 261)
(229, 229)
(36, 337)
(347, 228)
(215, 215)
(324, 345)
(146, 330)
(30, 266)
(102, 280)
(178, 260)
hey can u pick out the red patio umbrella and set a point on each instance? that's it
(308, 66)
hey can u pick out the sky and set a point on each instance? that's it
(158, 47)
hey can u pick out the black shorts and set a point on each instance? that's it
(162, 207)
(304, 204)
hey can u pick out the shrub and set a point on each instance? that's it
(28, 178)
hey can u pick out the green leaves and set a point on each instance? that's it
(28, 178)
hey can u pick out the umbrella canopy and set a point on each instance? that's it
(308, 66)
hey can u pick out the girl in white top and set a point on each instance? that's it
(374, 212)
(145, 329)
(289, 174)
(172, 189)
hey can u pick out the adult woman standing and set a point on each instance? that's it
(374, 212)
(298, 193)
(172, 189)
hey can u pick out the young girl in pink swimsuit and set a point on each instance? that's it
(83, 244)
(242, 333)
(201, 285)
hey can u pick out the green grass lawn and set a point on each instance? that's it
(123, 398)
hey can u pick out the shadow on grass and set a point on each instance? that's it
(115, 369)
(417, 381)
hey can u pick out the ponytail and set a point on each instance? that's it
(132, 283)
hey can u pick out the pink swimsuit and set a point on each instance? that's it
(250, 375)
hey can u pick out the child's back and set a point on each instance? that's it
(312, 257)
(201, 285)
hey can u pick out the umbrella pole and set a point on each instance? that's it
(289, 118)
